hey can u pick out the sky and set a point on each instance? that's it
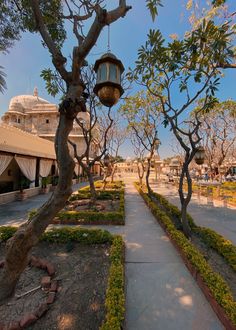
(28, 58)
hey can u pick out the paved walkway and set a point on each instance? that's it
(217, 217)
(15, 213)
(160, 293)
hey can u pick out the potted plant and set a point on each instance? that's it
(44, 185)
(21, 195)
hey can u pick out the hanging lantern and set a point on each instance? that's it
(108, 86)
(106, 160)
(199, 156)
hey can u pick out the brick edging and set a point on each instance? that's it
(47, 284)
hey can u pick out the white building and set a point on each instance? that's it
(29, 117)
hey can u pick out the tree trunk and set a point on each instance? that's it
(140, 177)
(147, 178)
(19, 246)
(140, 174)
(92, 188)
(186, 227)
(113, 173)
(185, 200)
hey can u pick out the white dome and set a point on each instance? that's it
(26, 102)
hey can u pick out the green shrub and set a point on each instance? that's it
(90, 217)
(81, 236)
(115, 297)
(65, 234)
(216, 284)
(219, 243)
(6, 232)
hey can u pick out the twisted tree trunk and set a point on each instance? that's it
(92, 188)
(185, 200)
(147, 177)
(19, 246)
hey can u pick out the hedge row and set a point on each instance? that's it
(212, 239)
(216, 284)
(218, 243)
(63, 235)
(115, 296)
(93, 217)
(101, 195)
(109, 185)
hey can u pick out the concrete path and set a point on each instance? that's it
(160, 293)
(217, 217)
(15, 213)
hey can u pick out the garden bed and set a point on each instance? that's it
(213, 285)
(90, 282)
(108, 210)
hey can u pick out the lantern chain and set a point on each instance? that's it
(108, 40)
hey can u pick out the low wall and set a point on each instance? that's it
(12, 196)
(8, 197)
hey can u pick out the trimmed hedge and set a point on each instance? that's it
(116, 185)
(63, 235)
(115, 295)
(218, 243)
(90, 218)
(93, 217)
(216, 284)
(212, 239)
(101, 195)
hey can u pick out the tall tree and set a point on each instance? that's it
(142, 112)
(218, 133)
(49, 18)
(139, 152)
(116, 137)
(189, 66)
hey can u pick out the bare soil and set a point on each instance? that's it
(82, 272)
(101, 206)
(217, 263)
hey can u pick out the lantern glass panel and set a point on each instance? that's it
(112, 72)
(102, 72)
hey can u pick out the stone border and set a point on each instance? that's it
(47, 284)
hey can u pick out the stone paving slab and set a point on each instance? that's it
(160, 292)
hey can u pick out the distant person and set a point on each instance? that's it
(206, 177)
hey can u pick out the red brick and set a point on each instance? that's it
(14, 325)
(27, 320)
(51, 297)
(54, 285)
(50, 269)
(42, 309)
(35, 262)
(43, 263)
(46, 282)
